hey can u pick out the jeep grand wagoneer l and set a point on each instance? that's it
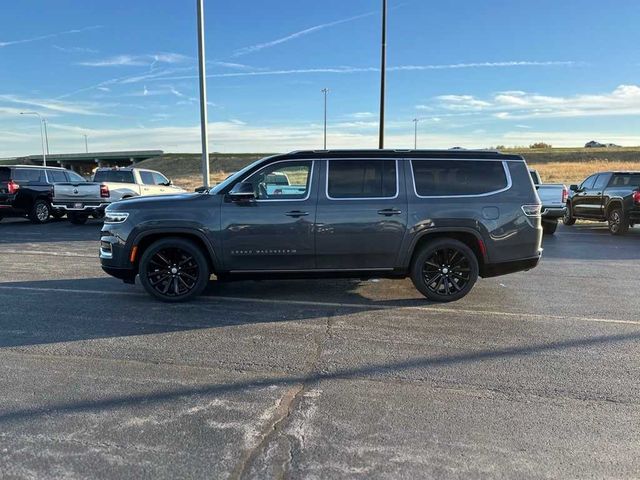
(442, 218)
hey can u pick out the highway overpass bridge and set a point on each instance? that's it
(87, 162)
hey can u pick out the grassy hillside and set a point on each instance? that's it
(562, 165)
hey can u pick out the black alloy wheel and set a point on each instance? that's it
(568, 218)
(445, 270)
(174, 270)
(618, 224)
(40, 212)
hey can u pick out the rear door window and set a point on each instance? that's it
(114, 176)
(626, 180)
(56, 176)
(444, 178)
(29, 175)
(353, 179)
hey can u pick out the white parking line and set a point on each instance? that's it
(51, 254)
(361, 306)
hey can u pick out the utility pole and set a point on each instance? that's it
(383, 67)
(86, 143)
(325, 91)
(44, 155)
(415, 133)
(203, 96)
(46, 134)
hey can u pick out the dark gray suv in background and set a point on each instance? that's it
(441, 217)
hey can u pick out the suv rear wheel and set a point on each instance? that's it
(444, 270)
(618, 223)
(174, 270)
(40, 212)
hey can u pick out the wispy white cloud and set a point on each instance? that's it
(234, 65)
(298, 34)
(56, 106)
(75, 49)
(519, 105)
(47, 36)
(147, 60)
(398, 68)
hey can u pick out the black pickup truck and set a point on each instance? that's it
(612, 197)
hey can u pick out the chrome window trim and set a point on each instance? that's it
(287, 199)
(505, 166)
(326, 187)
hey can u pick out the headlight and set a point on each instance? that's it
(115, 217)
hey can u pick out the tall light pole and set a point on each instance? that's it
(46, 134)
(325, 91)
(86, 143)
(415, 133)
(204, 134)
(383, 67)
(44, 155)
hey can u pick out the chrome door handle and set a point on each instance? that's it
(387, 212)
(296, 213)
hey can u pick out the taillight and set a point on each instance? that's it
(104, 191)
(532, 210)
(12, 187)
(565, 194)
(636, 198)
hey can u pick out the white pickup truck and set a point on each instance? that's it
(82, 199)
(554, 202)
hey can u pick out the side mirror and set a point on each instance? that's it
(242, 191)
(574, 188)
(169, 183)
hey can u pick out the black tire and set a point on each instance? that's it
(77, 218)
(568, 218)
(549, 227)
(444, 270)
(57, 214)
(40, 212)
(174, 270)
(617, 221)
(98, 215)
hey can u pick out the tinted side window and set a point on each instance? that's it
(56, 176)
(146, 177)
(436, 178)
(114, 176)
(362, 179)
(626, 180)
(588, 183)
(601, 182)
(159, 179)
(28, 175)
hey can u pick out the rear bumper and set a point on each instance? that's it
(497, 269)
(553, 212)
(79, 206)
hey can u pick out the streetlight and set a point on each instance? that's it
(46, 134)
(203, 96)
(86, 143)
(325, 91)
(44, 155)
(415, 133)
(383, 66)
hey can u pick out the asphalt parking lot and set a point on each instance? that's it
(532, 375)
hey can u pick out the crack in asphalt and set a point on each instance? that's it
(288, 404)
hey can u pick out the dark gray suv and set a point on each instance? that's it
(441, 217)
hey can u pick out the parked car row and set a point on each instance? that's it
(43, 192)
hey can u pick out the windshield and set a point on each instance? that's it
(227, 181)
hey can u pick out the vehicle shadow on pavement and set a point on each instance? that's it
(52, 308)
(373, 371)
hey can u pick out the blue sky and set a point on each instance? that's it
(476, 74)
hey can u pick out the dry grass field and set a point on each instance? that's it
(557, 165)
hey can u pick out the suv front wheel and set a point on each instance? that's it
(444, 270)
(174, 270)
